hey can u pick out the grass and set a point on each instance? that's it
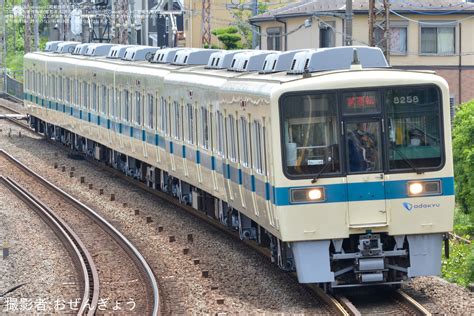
(459, 268)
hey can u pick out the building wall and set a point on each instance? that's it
(457, 69)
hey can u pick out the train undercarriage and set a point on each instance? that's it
(360, 260)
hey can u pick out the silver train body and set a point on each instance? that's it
(342, 169)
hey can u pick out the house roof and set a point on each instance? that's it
(310, 7)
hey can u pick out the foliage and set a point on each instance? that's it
(463, 155)
(459, 268)
(15, 27)
(229, 37)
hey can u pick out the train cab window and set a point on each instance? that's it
(220, 133)
(232, 139)
(138, 108)
(126, 106)
(104, 100)
(244, 141)
(190, 123)
(257, 143)
(150, 111)
(94, 97)
(414, 128)
(204, 128)
(310, 135)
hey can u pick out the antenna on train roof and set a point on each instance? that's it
(355, 65)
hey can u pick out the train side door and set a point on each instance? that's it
(365, 177)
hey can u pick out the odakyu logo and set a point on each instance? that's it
(409, 207)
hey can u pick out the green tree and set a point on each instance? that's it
(229, 37)
(463, 155)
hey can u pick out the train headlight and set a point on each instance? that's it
(315, 194)
(415, 188)
(422, 188)
(307, 195)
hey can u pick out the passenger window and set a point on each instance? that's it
(38, 83)
(244, 139)
(138, 108)
(204, 128)
(190, 123)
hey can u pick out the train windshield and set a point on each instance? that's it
(414, 128)
(404, 122)
(311, 134)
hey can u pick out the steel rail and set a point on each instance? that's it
(411, 302)
(79, 253)
(131, 250)
(337, 307)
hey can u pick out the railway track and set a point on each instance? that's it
(111, 251)
(395, 302)
(380, 301)
(82, 259)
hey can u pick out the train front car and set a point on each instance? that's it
(366, 189)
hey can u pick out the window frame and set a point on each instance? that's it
(274, 32)
(433, 24)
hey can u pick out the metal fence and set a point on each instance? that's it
(12, 87)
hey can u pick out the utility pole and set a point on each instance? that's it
(36, 25)
(170, 24)
(379, 26)
(3, 47)
(206, 23)
(254, 28)
(27, 36)
(348, 24)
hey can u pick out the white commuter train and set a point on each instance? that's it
(338, 164)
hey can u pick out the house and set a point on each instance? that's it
(424, 34)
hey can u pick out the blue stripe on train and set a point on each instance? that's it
(280, 196)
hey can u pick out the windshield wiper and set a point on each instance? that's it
(408, 161)
(315, 179)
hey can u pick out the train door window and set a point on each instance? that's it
(126, 106)
(103, 103)
(85, 95)
(30, 80)
(150, 111)
(190, 121)
(244, 139)
(138, 108)
(220, 134)
(118, 104)
(204, 128)
(257, 147)
(110, 102)
(76, 93)
(264, 149)
(94, 97)
(164, 115)
(177, 120)
(68, 90)
(60, 88)
(39, 83)
(232, 153)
